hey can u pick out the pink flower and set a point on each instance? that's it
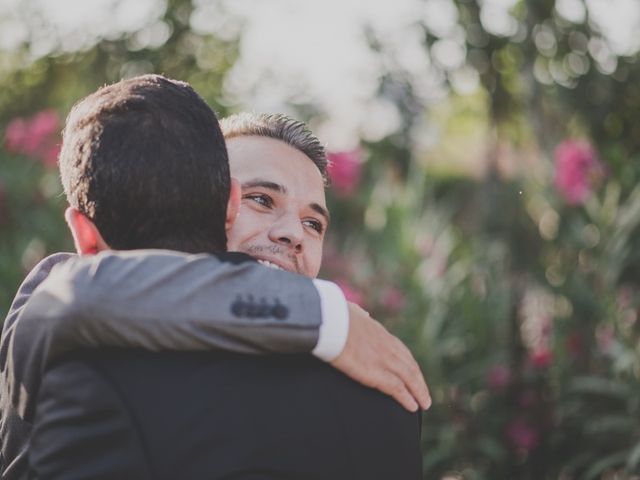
(541, 358)
(522, 434)
(43, 127)
(49, 156)
(576, 169)
(393, 299)
(351, 293)
(15, 135)
(498, 377)
(36, 137)
(345, 169)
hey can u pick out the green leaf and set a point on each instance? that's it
(614, 460)
(610, 424)
(435, 457)
(599, 386)
(489, 447)
(633, 462)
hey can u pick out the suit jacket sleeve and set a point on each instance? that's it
(160, 300)
(83, 429)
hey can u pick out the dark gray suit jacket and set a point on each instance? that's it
(228, 302)
(112, 415)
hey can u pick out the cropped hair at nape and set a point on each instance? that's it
(146, 161)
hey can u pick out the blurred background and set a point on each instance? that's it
(484, 200)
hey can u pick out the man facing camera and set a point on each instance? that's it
(131, 414)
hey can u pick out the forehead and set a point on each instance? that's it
(264, 158)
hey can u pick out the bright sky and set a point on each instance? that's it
(297, 50)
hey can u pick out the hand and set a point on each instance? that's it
(377, 359)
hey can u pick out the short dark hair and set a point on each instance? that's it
(146, 161)
(280, 127)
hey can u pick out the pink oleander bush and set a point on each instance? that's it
(577, 169)
(526, 368)
(31, 200)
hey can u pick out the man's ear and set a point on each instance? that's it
(86, 236)
(233, 207)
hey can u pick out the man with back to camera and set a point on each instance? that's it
(89, 238)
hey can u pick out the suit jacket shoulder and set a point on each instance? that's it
(83, 415)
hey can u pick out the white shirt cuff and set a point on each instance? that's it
(335, 321)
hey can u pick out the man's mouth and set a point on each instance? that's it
(274, 256)
(269, 264)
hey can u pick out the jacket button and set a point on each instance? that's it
(279, 311)
(239, 308)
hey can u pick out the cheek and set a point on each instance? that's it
(314, 258)
(247, 227)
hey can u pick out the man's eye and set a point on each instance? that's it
(264, 200)
(315, 224)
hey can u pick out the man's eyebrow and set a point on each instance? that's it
(265, 184)
(321, 210)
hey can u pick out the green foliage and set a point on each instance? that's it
(520, 303)
(31, 220)
(31, 200)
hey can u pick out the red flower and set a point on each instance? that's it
(522, 434)
(344, 171)
(541, 357)
(576, 170)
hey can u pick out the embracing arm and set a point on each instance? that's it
(153, 300)
(160, 300)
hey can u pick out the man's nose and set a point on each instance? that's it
(288, 231)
